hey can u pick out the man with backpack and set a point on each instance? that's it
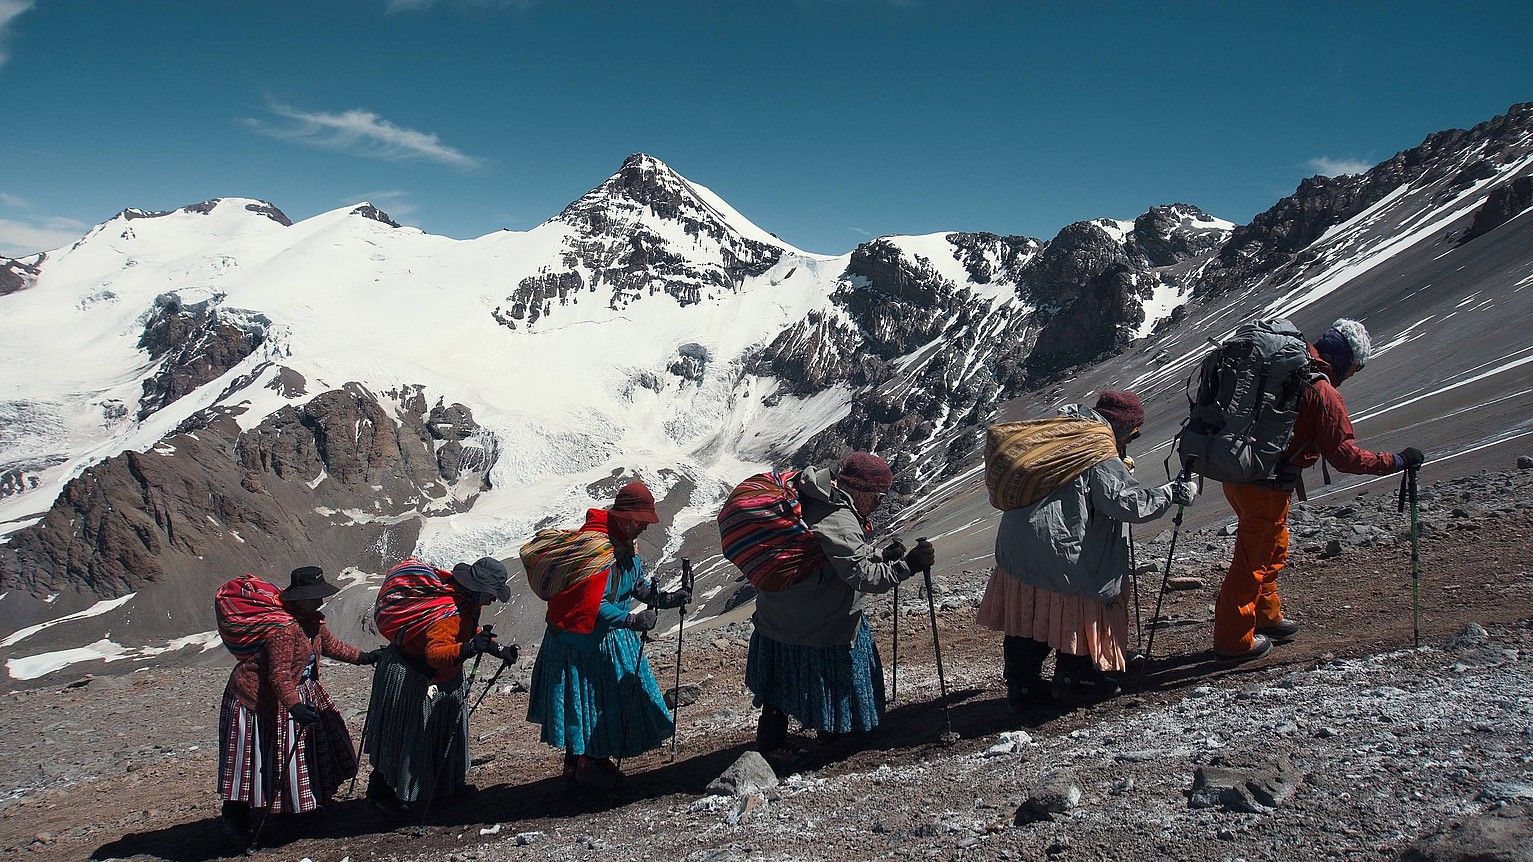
(1248, 618)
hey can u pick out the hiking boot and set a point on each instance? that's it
(1023, 696)
(771, 728)
(1077, 676)
(1260, 646)
(569, 766)
(236, 820)
(601, 774)
(1280, 632)
(382, 798)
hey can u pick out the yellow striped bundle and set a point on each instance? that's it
(1027, 461)
(559, 559)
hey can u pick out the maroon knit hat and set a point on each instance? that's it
(1122, 409)
(864, 471)
(636, 503)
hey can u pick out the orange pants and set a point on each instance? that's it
(1249, 597)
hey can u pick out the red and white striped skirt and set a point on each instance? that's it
(258, 766)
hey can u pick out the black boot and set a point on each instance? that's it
(381, 796)
(1078, 676)
(1022, 660)
(236, 817)
(771, 729)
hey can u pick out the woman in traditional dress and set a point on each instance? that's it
(812, 655)
(283, 746)
(1061, 562)
(417, 726)
(593, 693)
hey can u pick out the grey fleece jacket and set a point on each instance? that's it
(1072, 541)
(825, 608)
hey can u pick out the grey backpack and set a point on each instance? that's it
(1248, 395)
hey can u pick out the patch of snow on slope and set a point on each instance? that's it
(94, 610)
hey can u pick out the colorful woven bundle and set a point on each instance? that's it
(413, 596)
(557, 560)
(248, 609)
(762, 531)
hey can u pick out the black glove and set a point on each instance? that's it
(481, 643)
(673, 599)
(646, 591)
(370, 656)
(921, 557)
(1411, 457)
(509, 653)
(895, 551)
(642, 621)
(303, 713)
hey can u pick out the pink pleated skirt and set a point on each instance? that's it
(1071, 624)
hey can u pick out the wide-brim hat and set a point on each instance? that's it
(308, 582)
(485, 575)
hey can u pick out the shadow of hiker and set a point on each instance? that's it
(1188, 669)
(550, 796)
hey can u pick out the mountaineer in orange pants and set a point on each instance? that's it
(1248, 617)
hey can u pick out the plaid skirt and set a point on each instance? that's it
(417, 730)
(259, 766)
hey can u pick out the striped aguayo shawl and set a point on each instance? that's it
(248, 610)
(557, 560)
(413, 597)
(1027, 461)
(762, 531)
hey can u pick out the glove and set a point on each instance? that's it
(1183, 493)
(895, 551)
(921, 557)
(673, 599)
(1410, 457)
(642, 621)
(370, 656)
(646, 591)
(479, 644)
(303, 713)
(508, 654)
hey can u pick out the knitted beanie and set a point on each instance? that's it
(1122, 409)
(864, 471)
(636, 503)
(1344, 344)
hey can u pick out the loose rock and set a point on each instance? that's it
(747, 775)
(1054, 793)
(1252, 790)
(1470, 636)
(686, 695)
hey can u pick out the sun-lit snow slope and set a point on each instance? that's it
(1452, 371)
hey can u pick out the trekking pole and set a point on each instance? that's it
(436, 779)
(949, 737)
(362, 740)
(1176, 530)
(681, 629)
(637, 664)
(895, 674)
(266, 814)
(505, 662)
(1133, 573)
(1408, 489)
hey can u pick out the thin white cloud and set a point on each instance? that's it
(359, 132)
(395, 6)
(9, 9)
(22, 237)
(1329, 167)
(13, 202)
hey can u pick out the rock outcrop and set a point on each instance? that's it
(195, 343)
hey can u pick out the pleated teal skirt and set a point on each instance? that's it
(836, 689)
(599, 699)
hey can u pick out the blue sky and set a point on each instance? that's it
(825, 121)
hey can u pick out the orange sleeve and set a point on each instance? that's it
(444, 641)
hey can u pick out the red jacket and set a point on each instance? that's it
(1324, 428)
(270, 677)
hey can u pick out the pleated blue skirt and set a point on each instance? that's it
(836, 689)
(600, 699)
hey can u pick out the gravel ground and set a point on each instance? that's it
(1346, 744)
